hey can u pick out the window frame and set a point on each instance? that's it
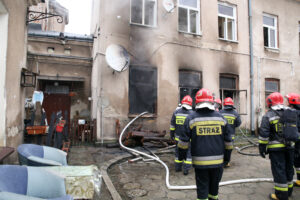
(146, 68)
(143, 16)
(275, 28)
(189, 88)
(198, 20)
(268, 92)
(234, 17)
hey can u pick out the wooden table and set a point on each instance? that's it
(5, 152)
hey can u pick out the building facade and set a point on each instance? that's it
(176, 50)
(63, 65)
(12, 58)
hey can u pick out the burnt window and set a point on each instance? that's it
(142, 89)
(189, 83)
(229, 86)
(271, 85)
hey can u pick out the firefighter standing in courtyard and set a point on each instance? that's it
(234, 121)
(206, 131)
(294, 102)
(176, 129)
(272, 140)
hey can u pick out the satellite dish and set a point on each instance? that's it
(168, 5)
(117, 57)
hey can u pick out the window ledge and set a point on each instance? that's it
(232, 41)
(149, 115)
(274, 50)
(142, 25)
(194, 34)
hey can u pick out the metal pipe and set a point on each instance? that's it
(186, 187)
(252, 107)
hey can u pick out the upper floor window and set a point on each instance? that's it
(143, 12)
(270, 31)
(227, 21)
(189, 16)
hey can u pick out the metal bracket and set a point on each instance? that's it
(35, 16)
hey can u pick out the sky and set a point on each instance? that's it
(79, 15)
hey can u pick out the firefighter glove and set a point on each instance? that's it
(262, 150)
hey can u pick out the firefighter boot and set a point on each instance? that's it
(185, 172)
(273, 197)
(297, 183)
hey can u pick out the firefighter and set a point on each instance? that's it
(294, 102)
(206, 131)
(234, 121)
(176, 129)
(218, 104)
(281, 152)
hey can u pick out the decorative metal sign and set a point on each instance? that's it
(35, 16)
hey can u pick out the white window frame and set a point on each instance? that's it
(226, 19)
(198, 23)
(271, 28)
(143, 15)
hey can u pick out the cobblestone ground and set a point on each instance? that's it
(144, 181)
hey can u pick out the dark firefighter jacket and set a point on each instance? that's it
(177, 121)
(233, 119)
(269, 131)
(207, 130)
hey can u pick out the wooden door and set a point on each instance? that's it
(56, 102)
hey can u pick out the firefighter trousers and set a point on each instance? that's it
(282, 163)
(297, 159)
(207, 181)
(183, 158)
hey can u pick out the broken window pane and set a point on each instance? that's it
(266, 37)
(149, 12)
(230, 29)
(183, 26)
(269, 21)
(221, 23)
(142, 89)
(193, 21)
(272, 38)
(137, 11)
(225, 10)
(191, 3)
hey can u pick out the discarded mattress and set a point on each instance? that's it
(36, 155)
(31, 183)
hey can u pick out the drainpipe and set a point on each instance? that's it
(252, 107)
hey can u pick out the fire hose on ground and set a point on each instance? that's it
(253, 144)
(186, 187)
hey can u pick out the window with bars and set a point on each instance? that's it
(189, 16)
(143, 12)
(227, 22)
(270, 31)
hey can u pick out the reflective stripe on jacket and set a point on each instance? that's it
(207, 131)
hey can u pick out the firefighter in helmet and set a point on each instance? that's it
(281, 153)
(234, 121)
(206, 131)
(218, 104)
(294, 102)
(176, 129)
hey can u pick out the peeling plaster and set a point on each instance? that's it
(12, 131)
